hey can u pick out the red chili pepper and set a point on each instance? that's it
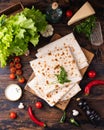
(34, 119)
(92, 84)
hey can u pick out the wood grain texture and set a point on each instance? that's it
(51, 116)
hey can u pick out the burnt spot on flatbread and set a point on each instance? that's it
(58, 49)
(49, 53)
(65, 63)
(56, 91)
(39, 63)
(73, 62)
(40, 89)
(45, 65)
(72, 49)
(67, 85)
(38, 71)
(47, 68)
(56, 59)
(56, 67)
(47, 82)
(72, 69)
(43, 74)
(69, 56)
(56, 86)
(49, 95)
(62, 54)
(54, 102)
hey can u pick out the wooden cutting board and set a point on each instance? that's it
(63, 104)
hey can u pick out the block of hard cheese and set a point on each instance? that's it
(85, 11)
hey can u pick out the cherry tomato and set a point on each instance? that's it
(13, 70)
(12, 64)
(39, 105)
(12, 76)
(13, 115)
(19, 72)
(69, 13)
(18, 66)
(16, 59)
(91, 74)
(21, 79)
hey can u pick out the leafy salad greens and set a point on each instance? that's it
(18, 30)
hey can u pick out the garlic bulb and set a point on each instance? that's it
(48, 31)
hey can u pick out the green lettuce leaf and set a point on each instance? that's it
(18, 30)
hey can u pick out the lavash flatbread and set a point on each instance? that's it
(54, 96)
(71, 93)
(70, 41)
(45, 82)
(46, 68)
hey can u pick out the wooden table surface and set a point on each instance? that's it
(51, 116)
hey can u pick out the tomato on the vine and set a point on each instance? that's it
(16, 59)
(12, 76)
(18, 66)
(39, 105)
(19, 72)
(12, 64)
(21, 79)
(91, 74)
(13, 70)
(13, 115)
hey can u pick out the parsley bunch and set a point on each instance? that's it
(86, 26)
(62, 77)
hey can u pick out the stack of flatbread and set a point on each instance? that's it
(66, 53)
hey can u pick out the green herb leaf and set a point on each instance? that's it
(86, 26)
(62, 77)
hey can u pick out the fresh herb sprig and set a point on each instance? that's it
(62, 77)
(86, 26)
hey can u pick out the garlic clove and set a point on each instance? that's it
(21, 105)
(75, 112)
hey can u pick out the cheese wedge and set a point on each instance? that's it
(85, 11)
